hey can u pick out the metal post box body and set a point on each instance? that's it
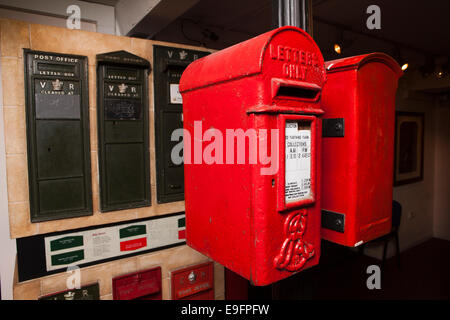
(236, 214)
(193, 283)
(141, 285)
(359, 102)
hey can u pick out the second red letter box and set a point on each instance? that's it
(358, 148)
(252, 155)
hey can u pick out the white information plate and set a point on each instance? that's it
(298, 161)
(175, 95)
(98, 244)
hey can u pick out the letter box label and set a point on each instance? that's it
(298, 161)
(57, 110)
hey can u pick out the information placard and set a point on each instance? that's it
(103, 243)
(298, 161)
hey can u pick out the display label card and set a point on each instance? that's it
(298, 161)
(175, 95)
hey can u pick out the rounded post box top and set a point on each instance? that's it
(356, 62)
(288, 52)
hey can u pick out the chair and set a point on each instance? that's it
(396, 218)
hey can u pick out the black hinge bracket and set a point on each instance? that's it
(333, 127)
(333, 220)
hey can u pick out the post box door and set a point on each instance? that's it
(169, 64)
(123, 125)
(57, 112)
(194, 283)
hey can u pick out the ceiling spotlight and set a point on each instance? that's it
(337, 48)
(405, 66)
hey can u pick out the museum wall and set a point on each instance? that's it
(441, 221)
(15, 36)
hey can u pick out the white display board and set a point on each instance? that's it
(103, 243)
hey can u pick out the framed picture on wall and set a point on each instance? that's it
(409, 141)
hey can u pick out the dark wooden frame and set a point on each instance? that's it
(420, 118)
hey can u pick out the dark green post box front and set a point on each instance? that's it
(57, 112)
(169, 63)
(123, 130)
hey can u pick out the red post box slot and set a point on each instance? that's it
(286, 89)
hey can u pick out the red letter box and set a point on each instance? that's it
(358, 148)
(141, 285)
(252, 143)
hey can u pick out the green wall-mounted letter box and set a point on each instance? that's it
(57, 112)
(123, 130)
(169, 63)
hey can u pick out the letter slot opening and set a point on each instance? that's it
(287, 89)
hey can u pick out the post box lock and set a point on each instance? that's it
(192, 277)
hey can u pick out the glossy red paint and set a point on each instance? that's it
(193, 283)
(358, 168)
(234, 214)
(142, 285)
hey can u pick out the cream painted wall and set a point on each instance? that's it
(7, 245)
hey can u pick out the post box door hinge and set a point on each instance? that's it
(333, 128)
(333, 220)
